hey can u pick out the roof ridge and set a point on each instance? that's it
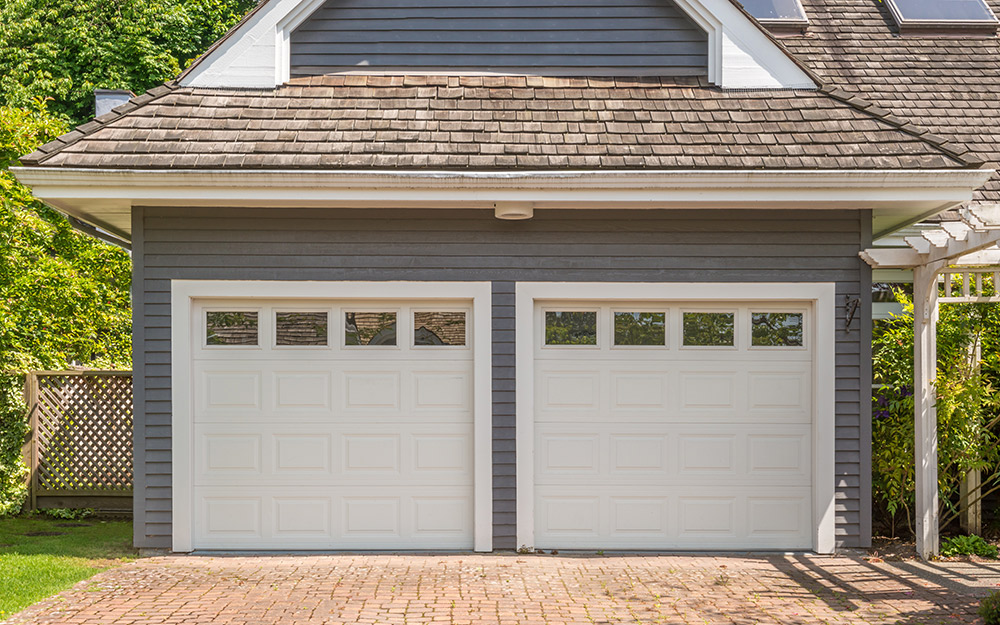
(957, 152)
(50, 149)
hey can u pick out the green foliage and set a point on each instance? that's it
(708, 328)
(13, 428)
(640, 328)
(69, 514)
(570, 328)
(966, 407)
(64, 297)
(64, 49)
(989, 608)
(967, 546)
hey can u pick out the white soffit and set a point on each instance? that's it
(256, 54)
(105, 197)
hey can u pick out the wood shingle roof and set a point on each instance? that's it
(948, 84)
(500, 122)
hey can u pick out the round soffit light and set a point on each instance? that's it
(513, 211)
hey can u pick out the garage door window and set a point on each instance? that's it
(570, 327)
(433, 329)
(230, 327)
(640, 329)
(776, 329)
(301, 329)
(370, 328)
(709, 329)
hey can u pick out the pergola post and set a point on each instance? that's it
(925, 316)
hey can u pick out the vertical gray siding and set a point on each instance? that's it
(614, 37)
(593, 245)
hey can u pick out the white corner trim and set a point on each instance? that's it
(184, 292)
(822, 296)
(257, 54)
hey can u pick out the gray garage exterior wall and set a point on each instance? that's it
(595, 37)
(593, 245)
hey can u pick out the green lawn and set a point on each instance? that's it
(35, 567)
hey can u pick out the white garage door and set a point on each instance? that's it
(328, 425)
(680, 425)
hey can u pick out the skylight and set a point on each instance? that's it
(942, 14)
(776, 11)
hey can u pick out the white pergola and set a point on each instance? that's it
(966, 249)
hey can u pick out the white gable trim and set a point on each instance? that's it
(257, 53)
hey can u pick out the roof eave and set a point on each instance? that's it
(106, 197)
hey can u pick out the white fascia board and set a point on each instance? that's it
(103, 197)
(257, 54)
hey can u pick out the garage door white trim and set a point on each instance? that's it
(184, 292)
(820, 295)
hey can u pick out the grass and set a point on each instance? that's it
(35, 567)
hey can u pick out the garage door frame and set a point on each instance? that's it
(184, 294)
(821, 296)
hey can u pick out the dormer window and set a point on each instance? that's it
(943, 17)
(781, 17)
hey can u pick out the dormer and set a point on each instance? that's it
(286, 39)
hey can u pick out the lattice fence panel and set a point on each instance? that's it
(83, 431)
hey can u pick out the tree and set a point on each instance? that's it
(64, 297)
(64, 49)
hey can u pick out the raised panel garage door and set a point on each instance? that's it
(329, 425)
(673, 426)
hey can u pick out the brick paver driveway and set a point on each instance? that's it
(509, 588)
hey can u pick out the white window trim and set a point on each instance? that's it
(820, 295)
(183, 323)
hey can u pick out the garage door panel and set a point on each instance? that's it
(229, 393)
(668, 454)
(741, 393)
(640, 391)
(682, 517)
(261, 391)
(302, 391)
(332, 454)
(575, 391)
(307, 517)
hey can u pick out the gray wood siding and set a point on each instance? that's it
(596, 37)
(593, 245)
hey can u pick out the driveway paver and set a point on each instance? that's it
(527, 589)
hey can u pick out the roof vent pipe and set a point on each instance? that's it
(107, 99)
(514, 210)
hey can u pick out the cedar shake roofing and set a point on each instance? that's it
(497, 122)
(950, 85)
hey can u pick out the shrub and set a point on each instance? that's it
(69, 514)
(989, 608)
(967, 408)
(968, 546)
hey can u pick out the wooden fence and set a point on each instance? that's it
(79, 450)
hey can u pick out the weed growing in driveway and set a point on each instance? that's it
(989, 608)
